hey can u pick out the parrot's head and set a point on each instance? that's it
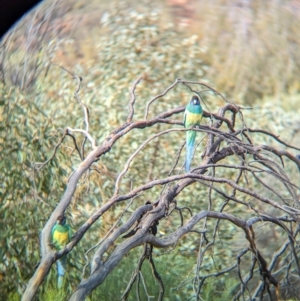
(195, 101)
(61, 220)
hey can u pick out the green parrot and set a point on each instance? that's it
(192, 116)
(61, 235)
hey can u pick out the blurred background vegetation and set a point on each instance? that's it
(247, 50)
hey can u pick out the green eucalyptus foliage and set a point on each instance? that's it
(128, 43)
(25, 200)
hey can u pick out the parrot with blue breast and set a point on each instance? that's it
(61, 235)
(192, 117)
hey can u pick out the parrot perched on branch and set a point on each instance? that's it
(61, 235)
(192, 116)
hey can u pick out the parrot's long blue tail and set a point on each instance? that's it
(190, 142)
(60, 272)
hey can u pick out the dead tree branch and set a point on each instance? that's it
(225, 141)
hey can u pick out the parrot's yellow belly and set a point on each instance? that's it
(61, 237)
(193, 119)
